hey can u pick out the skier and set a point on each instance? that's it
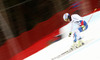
(82, 25)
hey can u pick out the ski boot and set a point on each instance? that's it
(80, 43)
(74, 46)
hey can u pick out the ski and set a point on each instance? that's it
(70, 50)
(66, 52)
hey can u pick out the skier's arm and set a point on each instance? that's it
(71, 28)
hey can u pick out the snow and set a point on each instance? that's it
(90, 51)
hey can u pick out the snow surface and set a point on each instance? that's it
(89, 51)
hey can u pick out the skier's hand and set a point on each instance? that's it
(70, 34)
(83, 27)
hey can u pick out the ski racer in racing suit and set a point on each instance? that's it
(82, 25)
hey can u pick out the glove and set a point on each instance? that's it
(83, 27)
(70, 34)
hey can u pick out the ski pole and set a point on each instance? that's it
(92, 14)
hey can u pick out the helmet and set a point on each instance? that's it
(66, 16)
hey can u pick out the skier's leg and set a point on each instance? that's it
(74, 41)
(78, 31)
(78, 34)
(75, 37)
